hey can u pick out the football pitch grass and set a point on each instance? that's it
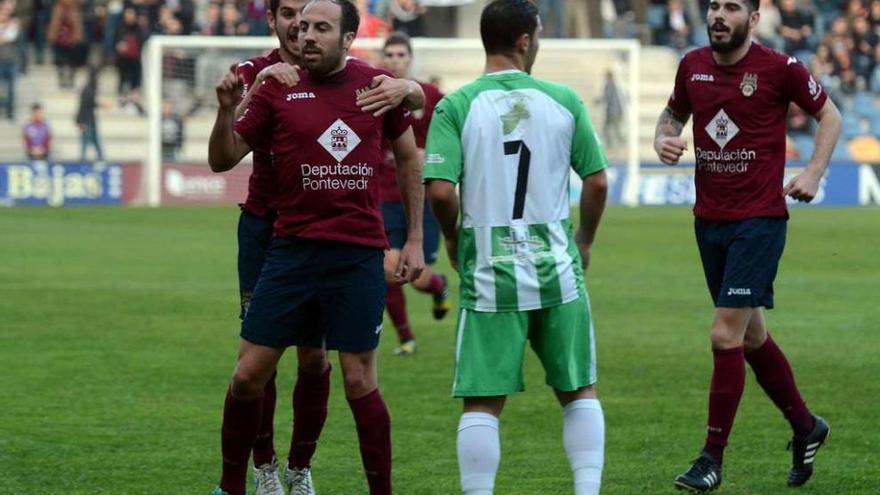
(119, 332)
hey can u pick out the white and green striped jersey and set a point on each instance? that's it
(510, 140)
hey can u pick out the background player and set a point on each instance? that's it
(510, 142)
(397, 58)
(739, 93)
(312, 387)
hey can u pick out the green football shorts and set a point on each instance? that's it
(489, 349)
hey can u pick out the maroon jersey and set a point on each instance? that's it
(327, 153)
(263, 183)
(739, 116)
(421, 122)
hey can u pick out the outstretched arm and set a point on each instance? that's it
(804, 186)
(225, 147)
(668, 142)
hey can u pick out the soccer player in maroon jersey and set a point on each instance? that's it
(738, 93)
(378, 94)
(397, 58)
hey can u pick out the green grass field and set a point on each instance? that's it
(119, 332)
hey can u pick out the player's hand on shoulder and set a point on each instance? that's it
(802, 187)
(670, 149)
(282, 72)
(411, 262)
(385, 93)
(229, 90)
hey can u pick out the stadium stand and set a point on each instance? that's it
(840, 45)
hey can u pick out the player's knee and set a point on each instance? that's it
(723, 337)
(246, 385)
(312, 360)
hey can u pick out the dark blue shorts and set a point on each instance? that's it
(254, 237)
(740, 259)
(318, 293)
(394, 216)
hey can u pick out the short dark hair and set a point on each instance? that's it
(350, 19)
(503, 21)
(273, 6)
(752, 5)
(36, 106)
(398, 38)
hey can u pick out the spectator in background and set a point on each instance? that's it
(23, 11)
(256, 17)
(613, 104)
(10, 32)
(86, 119)
(552, 9)
(371, 26)
(212, 20)
(408, 16)
(874, 16)
(37, 135)
(130, 37)
(42, 13)
(678, 25)
(767, 31)
(65, 35)
(111, 24)
(796, 29)
(231, 23)
(874, 83)
(172, 131)
(864, 41)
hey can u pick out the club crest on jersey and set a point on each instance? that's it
(339, 140)
(519, 111)
(749, 84)
(722, 129)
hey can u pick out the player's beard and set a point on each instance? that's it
(738, 37)
(326, 63)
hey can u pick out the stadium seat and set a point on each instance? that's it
(875, 126)
(865, 105)
(804, 144)
(865, 149)
(841, 152)
(852, 126)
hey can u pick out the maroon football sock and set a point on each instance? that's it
(776, 378)
(728, 382)
(241, 419)
(310, 397)
(264, 448)
(374, 433)
(395, 303)
(435, 286)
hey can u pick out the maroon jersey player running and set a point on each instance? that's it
(738, 93)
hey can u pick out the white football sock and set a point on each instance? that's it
(479, 452)
(583, 436)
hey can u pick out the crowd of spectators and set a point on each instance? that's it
(837, 39)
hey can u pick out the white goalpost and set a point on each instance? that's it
(180, 73)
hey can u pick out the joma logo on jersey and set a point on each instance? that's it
(703, 77)
(300, 96)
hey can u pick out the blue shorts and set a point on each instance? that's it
(394, 217)
(318, 293)
(254, 237)
(740, 259)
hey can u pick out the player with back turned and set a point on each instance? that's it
(510, 142)
(739, 93)
(322, 283)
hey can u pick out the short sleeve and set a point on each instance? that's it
(256, 122)
(396, 122)
(803, 88)
(248, 72)
(443, 151)
(587, 155)
(679, 102)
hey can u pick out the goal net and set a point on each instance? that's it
(180, 73)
